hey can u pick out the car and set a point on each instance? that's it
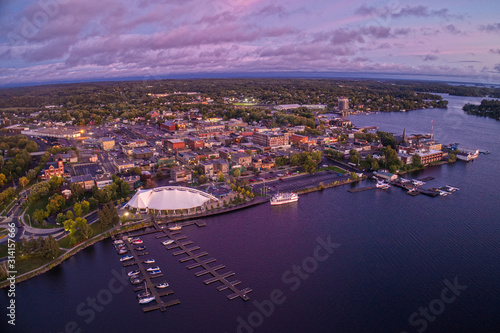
(339, 174)
(252, 180)
(282, 179)
(275, 186)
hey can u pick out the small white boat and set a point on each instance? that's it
(175, 227)
(443, 193)
(382, 185)
(133, 273)
(135, 280)
(417, 182)
(122, 251)
(149, 261)
(451, 188)
(118, 242)
(162, 285)
(168, 242)
(125, 258)
(155, 272)
(150, 269)
(137, 241)
(146, 300)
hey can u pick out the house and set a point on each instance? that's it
(85, 181)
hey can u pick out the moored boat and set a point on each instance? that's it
(137, 241)
(155, 272)
(162, 285)
(133, 273)
(151, 269)
(125, 258)
(175, 227)
(168, 242)
(140, 248)
(149, 261)
(284, 198)
(146, 300)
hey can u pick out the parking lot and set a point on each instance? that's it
(85, 169)
(300, 182)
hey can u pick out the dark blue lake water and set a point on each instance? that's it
(399, 263)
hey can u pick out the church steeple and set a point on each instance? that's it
(404, 135)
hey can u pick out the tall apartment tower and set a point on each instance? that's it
(343, 104)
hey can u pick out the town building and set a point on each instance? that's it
(270, 139)
(85, 181)
(53, 169)
(107, 143)
(343, 104)
(103, 180)
(123, 165)
(296, 138)
(174, 144)
(179, 174)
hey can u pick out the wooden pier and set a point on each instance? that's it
(192, 254)
(160, 304)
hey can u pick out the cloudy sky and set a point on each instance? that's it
(73, 40)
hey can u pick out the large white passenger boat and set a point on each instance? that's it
(284, 198)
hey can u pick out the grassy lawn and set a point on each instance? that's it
(27, 264)
(334, 169)
(4, 208)
(64, 242)
(40, 204)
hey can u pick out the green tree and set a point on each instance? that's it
(70, 215)
(77, 191)
(236, 173)
(354, 176)
(60, 218)
(69, 225)
(23, 181)
(77, 209)
(85, 207)
(39, 215)
(416, 161)
(221, 176)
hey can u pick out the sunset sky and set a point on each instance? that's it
(76, 40)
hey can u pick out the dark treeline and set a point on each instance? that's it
(487, 108)
(266, 91)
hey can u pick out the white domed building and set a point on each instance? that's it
(171, 200)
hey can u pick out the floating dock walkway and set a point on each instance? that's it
(199, 261)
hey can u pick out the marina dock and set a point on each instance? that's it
(199, 261)
(160, 304)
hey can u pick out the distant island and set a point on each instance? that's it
(487, 108)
